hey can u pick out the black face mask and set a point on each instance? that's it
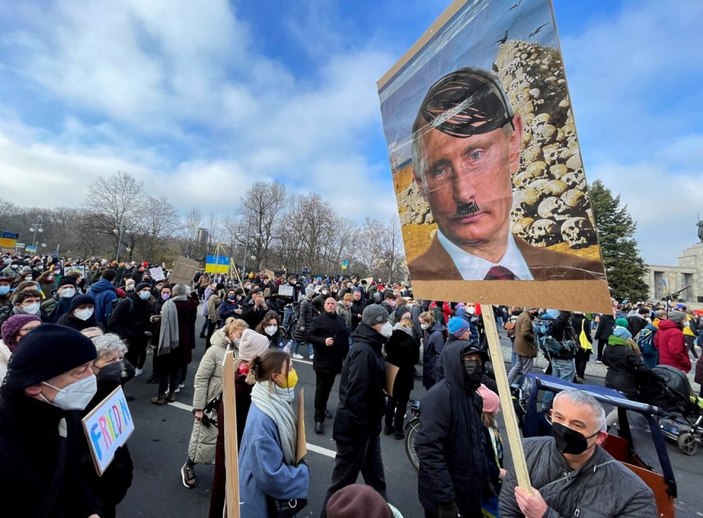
(570, 441)
(473, 371)
(112, 372)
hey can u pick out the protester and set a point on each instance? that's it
(103, 293)
(328, 336)
(670, 342)
(402, 351)
(206, 387)
(55, 307)
(81, 313)
(357, 424)
(267, 463)
(251, 344)
(13, 330)
(131, 321)
(270, 327)
(301, 330)
(456, 462)
(524, 344)
(49, 381)
(432, 347)
(572, 469)
(111, 371)
(348, 501)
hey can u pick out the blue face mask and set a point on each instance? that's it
(4, 289)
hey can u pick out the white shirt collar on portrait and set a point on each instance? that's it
(473, 268)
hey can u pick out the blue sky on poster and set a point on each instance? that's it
(201, 99)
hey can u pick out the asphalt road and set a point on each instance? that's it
(159, 445)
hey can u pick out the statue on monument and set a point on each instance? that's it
(700, 229)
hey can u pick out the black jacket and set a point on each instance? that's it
(130, 319)
(328, 358)
(626, 371)
(31, 459)
(302, 326)
(69, 320)
(456, 461)
(357, 309)
(403, 351)
(606, 324)
(361, 398)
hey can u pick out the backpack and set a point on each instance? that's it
(509, 326)
(292, 321)
(645, 341)
(550, 345)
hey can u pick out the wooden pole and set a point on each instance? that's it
(506, 399)
(231, 450)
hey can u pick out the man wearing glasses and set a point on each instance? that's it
(571, 474)
(466, 147)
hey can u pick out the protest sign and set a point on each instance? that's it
(391, 373)
(183, 271)
(230, 429)
(217, 264)
(486, 164)
(107, 427)
(78, 268)
(8, 240)
(301, 448)
(157, 273)
(286, 291)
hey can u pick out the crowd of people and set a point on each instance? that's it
(71, 335)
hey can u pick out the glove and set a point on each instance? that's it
(447, 510)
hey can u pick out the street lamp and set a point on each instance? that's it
(36, 227)
(119, 232)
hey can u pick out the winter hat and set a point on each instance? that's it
(374, 314)
(491, 401)
(622, 332)
(12, 326)
(67, 280)
(179, 289)
(141, 286)
(309, 290)
(349, 501)
(45, 353)
(25, 270)
(79, 300)
(622, 322)
(252, 344)
(677, 316)
(457, 326)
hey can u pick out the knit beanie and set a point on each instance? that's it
(309, 290)
(491, 401)
(677, 316)
(12, 326)
(81, 299)
(457, 326)
(67, 280)
(46, 352)
(352, 500)
(374, 314)
(141, 286)
(622, 332)
(622, 322)
(179, 289)
(252, 344)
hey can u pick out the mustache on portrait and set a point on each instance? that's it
(467, 209)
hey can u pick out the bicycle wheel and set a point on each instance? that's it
(410, 436)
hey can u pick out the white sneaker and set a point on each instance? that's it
(137, 372)
(312, 356)
(297, 356)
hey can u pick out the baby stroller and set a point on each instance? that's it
(684, 422)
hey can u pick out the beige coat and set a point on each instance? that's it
(524, 336)
(207, 385)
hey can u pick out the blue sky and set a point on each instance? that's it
(201, 99)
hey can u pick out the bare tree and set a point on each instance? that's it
(158, 220)
(262, 205)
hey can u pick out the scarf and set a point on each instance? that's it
(168, 334)
(275, 402)
(407, 330)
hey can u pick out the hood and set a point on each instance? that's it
(219, 338)
(616, 340)
(366, 333)
(667, 324)
(399, 327)
(102, 285)
(453, 365)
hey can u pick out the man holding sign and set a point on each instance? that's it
(49, 381)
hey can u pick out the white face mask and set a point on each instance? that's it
(31, 309)
(144, 295)
(387, 330)
(83, 314)
(67, 293)
(76, 395)
(425, 326)
(270, 330)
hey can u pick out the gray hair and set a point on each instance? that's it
(581, 397)
(109, 343)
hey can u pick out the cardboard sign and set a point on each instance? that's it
(301, 448)
(107, 427)
(183, 271)
(157, 273)
(391, 373)
(286, 291)
(491, 81)
(80, 269)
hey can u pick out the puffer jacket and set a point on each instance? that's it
(580, 493)
(206, 386)
(671, 344)
(302, 326)
(434, 343)
(626, 372)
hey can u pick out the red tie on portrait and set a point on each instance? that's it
(499, 273)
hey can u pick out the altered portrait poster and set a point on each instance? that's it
(486, 164)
